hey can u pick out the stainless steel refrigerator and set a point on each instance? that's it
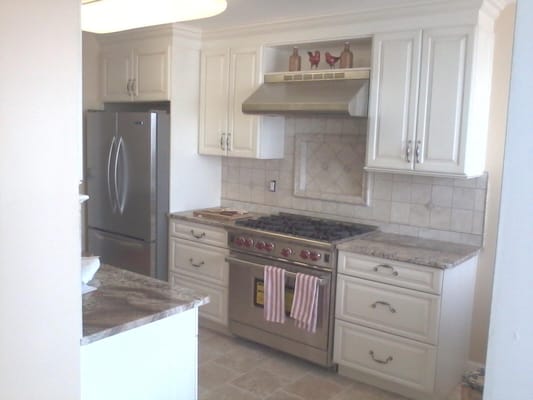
(127, 175)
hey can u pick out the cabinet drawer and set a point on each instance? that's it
(199, 261)
(395, 310)
(199, 233)
(217, 308)
(398, 360)
(396, 273)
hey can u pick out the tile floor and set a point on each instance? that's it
(235, 369)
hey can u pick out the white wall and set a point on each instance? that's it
(40, 120)
(509, 364)
(503, 44)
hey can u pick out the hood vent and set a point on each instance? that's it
(341, 92)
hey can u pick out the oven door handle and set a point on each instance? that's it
(322, 281)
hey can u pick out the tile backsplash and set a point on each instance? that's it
(428, 207)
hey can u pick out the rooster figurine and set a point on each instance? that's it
(331, 60)
(314, 59)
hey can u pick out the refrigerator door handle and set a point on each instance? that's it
(120, 202)
(109, 194)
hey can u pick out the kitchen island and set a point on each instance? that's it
(139, 338)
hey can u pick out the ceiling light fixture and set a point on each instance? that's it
(104, 16)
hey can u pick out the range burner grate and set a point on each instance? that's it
(306, 227)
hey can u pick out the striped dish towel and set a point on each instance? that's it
(274, 294)
(305, 302)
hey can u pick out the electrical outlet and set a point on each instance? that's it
(272, 186)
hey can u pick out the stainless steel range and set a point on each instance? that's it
(297, 244)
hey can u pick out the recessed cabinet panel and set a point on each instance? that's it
(228, 77)
(392, 111)
(422, 119)
(403, 361)
(213, 106)
(243, 80)
(152, 73)
(443, 99)
(116, 73)
(402, 312)
(136, 70)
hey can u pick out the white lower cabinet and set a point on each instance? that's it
(406, 362)
(403, 327)
(197, 259)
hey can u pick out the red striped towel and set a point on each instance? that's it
(274, 294)
(305, 302)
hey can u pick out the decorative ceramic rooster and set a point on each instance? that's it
(314, 59)
(331, 60)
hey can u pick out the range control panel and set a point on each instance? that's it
(276, 248)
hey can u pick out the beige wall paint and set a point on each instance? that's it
(40, 123)
(495, 149)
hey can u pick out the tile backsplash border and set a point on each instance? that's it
(427, 207)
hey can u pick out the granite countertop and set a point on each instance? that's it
(431, 253)
(189, 216)
(125, 300)
(409, 249)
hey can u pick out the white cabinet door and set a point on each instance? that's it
(151, 80)
(420, 103)
(393, 100)
(117, 72)
(214, 102)
(444, 98)
(228, 77)
(136, 71)
(245, 76)
(403, 361)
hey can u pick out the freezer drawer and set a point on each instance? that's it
(131, 254)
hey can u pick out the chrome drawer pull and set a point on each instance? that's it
(196, 265)
(377, 267)
(388, 360)
(384, 303)
(201, 235)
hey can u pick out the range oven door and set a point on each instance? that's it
(246, 274)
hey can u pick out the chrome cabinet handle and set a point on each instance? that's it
(223, 141)
(128, 86)
(408, 150)
(228, 141)
(386, 266)
(388, 360)
(383, 303)
(201, 235)
(198, 265)
(417, 151)
(133, 81)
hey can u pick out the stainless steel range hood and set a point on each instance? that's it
(341, 92)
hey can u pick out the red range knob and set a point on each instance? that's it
(239, 241)
(269, 246)
(260, 245)
(248, 242)
(305, 254)
(286, 252)
(315, 256)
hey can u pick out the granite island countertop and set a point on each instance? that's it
(125, 300)
(409, 249)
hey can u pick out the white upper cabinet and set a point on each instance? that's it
(423, 116)
(228, 77)
(393, 100)
(137, 70)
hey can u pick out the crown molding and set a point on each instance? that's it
(176, 30)
(369, 11)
